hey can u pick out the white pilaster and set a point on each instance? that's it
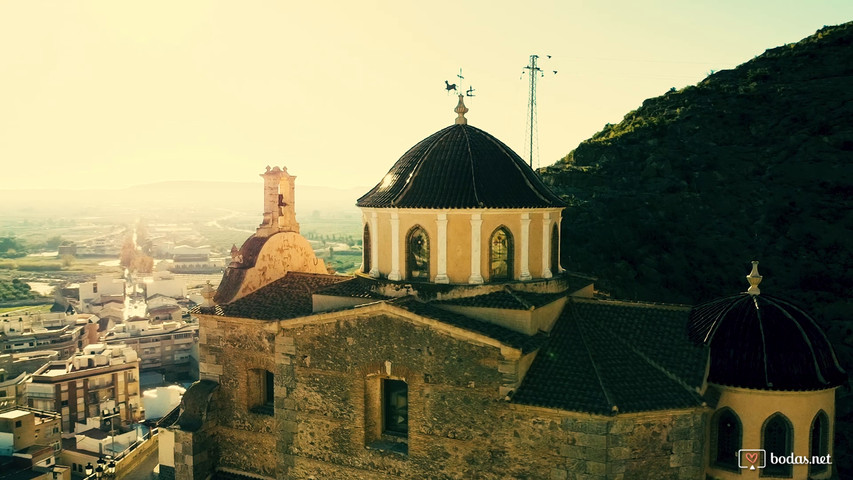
(546, 245)
(441, 224)
(476, 226)
(374, 245)
(395, 247)
(559, 242)
(525, 247)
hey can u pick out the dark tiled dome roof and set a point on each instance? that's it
(764, 342)
(460, 167)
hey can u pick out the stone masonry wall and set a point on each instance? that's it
(460, 425)
(231, 350)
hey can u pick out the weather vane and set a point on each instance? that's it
(451, 87)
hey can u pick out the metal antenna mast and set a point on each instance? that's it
(531, 133)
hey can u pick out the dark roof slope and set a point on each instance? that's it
(506, 299)
(288, 297)
(460, 167)
(593, 364)
(356, 287)
(764, 342)
(525, 343)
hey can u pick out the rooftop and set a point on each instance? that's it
(608, 357)
(460, 167)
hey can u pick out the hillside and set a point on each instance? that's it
(753, 163)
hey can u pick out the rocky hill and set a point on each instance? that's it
(754, 163)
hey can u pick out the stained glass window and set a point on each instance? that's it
(777, 440)
(728, 431)
(500, 255)
(417, 254)
(819, 441)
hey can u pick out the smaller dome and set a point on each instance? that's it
(764, 342)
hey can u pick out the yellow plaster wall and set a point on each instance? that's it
(459, 247)
(754, 407)
(459, 239)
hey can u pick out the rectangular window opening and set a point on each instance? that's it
(395, 407)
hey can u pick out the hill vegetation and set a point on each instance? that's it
(672, 203)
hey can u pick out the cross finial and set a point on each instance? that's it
(461, 109)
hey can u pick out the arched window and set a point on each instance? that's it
(727, 437)
(776, 439)
(417, 254)
(365, 248)
(555, 250)
(819, 441)
(500, 255)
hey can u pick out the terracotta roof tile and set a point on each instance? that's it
(287, 297)
(595, 363)
(356, 287)
(525, 343)
(460, 167)
(506, 299)
(765, 342)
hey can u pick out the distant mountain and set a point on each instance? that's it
(240, 196)
(754, 163)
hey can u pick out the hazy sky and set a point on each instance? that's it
(119, 93)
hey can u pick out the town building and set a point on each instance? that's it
(30, 441)
(103, 290)
(100, 377)
(462, 349)
(58, 331)
(168, 346)
(165, 283)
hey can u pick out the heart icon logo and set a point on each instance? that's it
(751, 457)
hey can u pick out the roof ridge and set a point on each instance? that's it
(636, 303)
(419, 164)
(520, 300)
(471, 164)
(656, 365)
(613, 407)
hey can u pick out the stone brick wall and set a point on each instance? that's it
(460, 426)
(230, 350)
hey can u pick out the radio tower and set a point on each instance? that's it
(531, 132)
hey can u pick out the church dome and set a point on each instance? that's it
(460, 167)
(764, 342)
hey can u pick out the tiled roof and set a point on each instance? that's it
(460, 167)
(356, 287)
(287, 297)
(525, 343)
(764, 342)
(506, 299)
(598, 360)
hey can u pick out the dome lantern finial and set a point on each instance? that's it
(461, 109)
(754, 278)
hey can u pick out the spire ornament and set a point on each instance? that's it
(461, 109)
(754, 278)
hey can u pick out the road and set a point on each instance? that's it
(145, 470)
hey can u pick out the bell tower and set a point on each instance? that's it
(279, 200)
